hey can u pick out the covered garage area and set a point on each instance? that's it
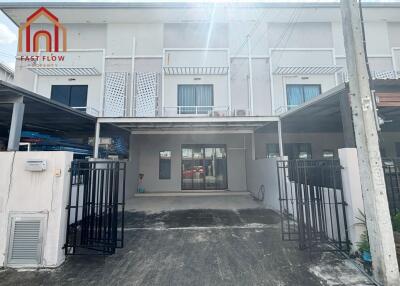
(31, 121)
(330, 113)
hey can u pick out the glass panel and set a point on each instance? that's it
(197, 152)
(187, 175)
(204, 97)
(272, 150)
(328, 154)
(203, 168)
(164, 172)
(198, 175)
(294, 95)
(209, 165)
(311, 91)
(60, 93)
(78, 97)
(220, 169)
(186, 97)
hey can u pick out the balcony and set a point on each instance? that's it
(196, 111)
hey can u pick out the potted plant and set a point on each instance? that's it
(363, 245)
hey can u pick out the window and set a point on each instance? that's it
(195, 98)
(328, 154)
(204, 167)
(71, 95)
(298, 151)
(300, 93)
(164, 171)
(272, 150)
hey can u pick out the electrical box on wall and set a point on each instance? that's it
(35, 165)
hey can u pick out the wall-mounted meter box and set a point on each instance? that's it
(35, 165)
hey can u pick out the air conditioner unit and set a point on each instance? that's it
(217, 114)
(240, 112)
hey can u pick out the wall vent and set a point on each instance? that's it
(25, 241)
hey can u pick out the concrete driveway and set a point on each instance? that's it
(198, 247)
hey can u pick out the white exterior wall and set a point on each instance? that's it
(39, 193)
(315, 33)
(147, 159)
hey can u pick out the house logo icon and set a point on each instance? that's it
(52, 37)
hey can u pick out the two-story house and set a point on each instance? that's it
(200, 87)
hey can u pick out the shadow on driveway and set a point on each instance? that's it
(194, 247)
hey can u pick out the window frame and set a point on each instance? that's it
(70, 88)
(189, 109)
(302, 91)
(160, 165)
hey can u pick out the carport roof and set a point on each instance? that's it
(42, 114)
(322, 113)
(187, 124)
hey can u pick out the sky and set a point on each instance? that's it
(8, 30)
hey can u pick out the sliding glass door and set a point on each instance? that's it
(204, 167)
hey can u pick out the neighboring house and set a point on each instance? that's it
(201, 87)
(6, 73)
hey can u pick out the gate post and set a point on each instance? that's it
(352, 194)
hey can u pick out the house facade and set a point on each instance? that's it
(201, 88)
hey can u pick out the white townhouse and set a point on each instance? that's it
(200, 87)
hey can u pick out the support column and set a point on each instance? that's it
(379, 223)
(250, 76)
(16, 126)
(280, 140)
(96, 141)
(253, 146)
(352, 194)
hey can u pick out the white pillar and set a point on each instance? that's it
(131, 103)
(352, 193)
(96, 141)
(250, 76)
(253, 146)
(16, 126)
(280, 138)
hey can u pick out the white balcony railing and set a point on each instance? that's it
(196, 111)
(216, 111)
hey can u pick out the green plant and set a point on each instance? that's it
(363, 244)
(396, 222)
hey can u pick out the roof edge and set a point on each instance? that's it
(193, 4)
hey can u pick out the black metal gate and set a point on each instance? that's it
(312, 204)
(391, 169)
(96, 207)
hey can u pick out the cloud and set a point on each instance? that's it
(6, 35)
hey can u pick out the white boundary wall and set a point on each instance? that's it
(352, 193)
(264, 172)
(24, 193)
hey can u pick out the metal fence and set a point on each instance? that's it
(96, 207)
(312, 204)
(391, 169)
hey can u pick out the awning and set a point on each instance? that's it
(323, 114)
(42, 114)
(306, 70)
(195, 70)
(73, 71)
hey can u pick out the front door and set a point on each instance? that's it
(204, 167)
